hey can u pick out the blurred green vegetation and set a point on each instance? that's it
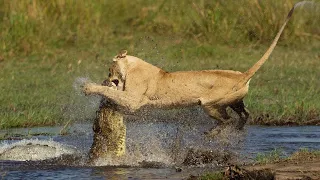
(46, 45)
(29, 26)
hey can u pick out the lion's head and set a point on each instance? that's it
(117, 72)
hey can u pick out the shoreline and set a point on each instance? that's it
(303, 164)
(312, 122)
(254, 122)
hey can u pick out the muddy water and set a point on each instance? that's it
(164, 145)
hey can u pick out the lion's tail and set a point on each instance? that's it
(256, 66)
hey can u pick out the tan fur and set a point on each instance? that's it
(134, 84)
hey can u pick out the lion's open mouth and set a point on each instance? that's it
(115, 81)
(115, 84)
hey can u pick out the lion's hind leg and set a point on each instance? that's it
(220, 115)
(243, 114)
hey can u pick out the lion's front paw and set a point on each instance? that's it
(88, 88)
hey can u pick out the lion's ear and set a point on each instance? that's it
(122, 54)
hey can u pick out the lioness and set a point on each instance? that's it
(133, 84)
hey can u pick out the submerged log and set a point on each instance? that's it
(109, 133)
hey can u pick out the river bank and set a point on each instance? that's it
(303, 164)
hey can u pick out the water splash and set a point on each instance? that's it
(167, 144)
(34, 150)
(81, 107)
(78, 83)
(149, 144)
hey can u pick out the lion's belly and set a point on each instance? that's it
(181, 97)
(177, 97)
(171, 101)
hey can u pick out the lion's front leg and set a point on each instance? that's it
(129, 102)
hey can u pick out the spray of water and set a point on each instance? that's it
(169, 142)
(34, 150)
(81, 107)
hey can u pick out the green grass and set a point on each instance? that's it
(38, 89)
(272, 156)
(32, 26)
(44, 47)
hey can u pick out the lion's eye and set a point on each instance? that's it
(115, 81)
